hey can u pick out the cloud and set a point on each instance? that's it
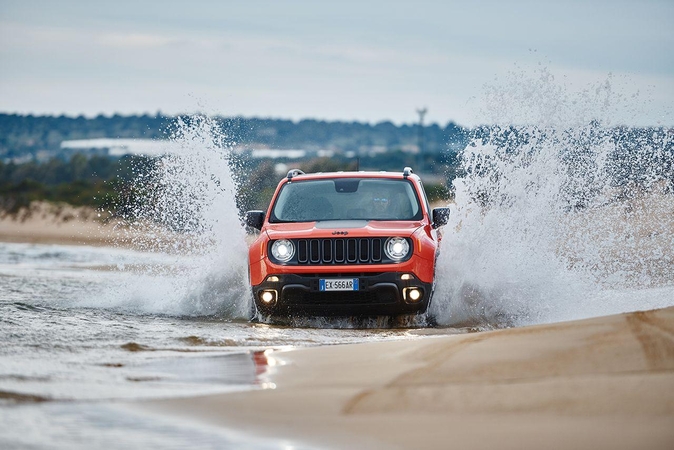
(298, 60)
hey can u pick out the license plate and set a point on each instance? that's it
(338, 284)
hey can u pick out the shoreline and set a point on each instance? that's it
(605, 382)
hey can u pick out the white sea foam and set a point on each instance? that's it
(189, 196)
(564, 217)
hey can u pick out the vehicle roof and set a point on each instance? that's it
(359, 174)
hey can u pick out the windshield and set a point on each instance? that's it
(346, 199)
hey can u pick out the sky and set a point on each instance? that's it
(347, 60)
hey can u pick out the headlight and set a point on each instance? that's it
(396, 248)
(283, 250)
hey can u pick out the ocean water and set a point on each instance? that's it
(73, 349)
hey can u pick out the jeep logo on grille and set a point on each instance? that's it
(342, 233)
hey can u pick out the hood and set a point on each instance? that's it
(342, 228)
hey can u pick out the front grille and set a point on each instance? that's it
(340, 251)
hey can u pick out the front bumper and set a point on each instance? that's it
(378, 294)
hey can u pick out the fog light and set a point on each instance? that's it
(268, 297)
(272, 278)
(412, 295)
(406, 276)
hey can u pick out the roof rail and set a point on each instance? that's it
(293, 173)
(407, 171)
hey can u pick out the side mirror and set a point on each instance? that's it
(255, 219)
(440, 217)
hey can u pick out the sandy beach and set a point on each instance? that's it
(58, 223)
(606, 382)
(50, 223)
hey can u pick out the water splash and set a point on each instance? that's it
(560, 216)
(187, 213)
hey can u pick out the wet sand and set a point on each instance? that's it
(606, 382)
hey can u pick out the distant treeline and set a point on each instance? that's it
(98, 181)
(30, 135)
(22, 135)
(638, 157)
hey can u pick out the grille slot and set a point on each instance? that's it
(314, 251)
(326, 246)
(340, 253)
(376, 250)
(333, 251)
(364, 250)
(351, 256)
(302, 251)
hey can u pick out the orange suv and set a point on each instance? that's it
(345, 244)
